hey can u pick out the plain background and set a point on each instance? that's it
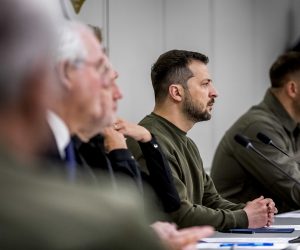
(241, 37)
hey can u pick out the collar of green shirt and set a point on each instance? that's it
(276, 107)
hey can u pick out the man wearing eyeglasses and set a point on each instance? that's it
(84, 93)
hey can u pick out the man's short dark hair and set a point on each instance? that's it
(172, 67)
(285, 65)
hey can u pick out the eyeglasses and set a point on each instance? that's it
(101, 66)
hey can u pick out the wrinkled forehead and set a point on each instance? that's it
(199, 70)
(96, 53)
(93, 46)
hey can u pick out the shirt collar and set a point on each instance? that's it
(60, 132)
(165, 121)
(277, 108)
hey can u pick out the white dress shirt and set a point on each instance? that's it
(60, 132)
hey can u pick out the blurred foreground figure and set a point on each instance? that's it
(38, 211)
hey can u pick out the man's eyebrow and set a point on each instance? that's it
(207, 79)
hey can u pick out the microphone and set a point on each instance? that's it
(267, 140)
(245, 142)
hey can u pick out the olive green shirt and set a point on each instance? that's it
(40, 211)
(200, 202)
(240, 174)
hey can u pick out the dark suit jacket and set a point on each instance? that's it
(56, 163)
(123, 163)
(91, 159)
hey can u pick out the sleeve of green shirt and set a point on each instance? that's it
(190, 214)
(214, 200)
(195, 214)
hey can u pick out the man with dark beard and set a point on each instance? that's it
(184, 95)
(241, 175)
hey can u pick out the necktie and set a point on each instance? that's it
(70, 161)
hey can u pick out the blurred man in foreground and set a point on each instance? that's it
(39, 211)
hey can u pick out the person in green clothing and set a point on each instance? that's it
(184, 95)
(239, 174)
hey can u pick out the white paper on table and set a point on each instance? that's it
(295, 214)
(277, 246)
(214, 243)
(297, 227)
(272, 240)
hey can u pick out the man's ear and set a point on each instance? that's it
(292, 89)
(64, 71)
(176, 92)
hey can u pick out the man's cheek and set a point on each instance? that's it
(104, 101)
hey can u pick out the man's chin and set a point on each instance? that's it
(209, 108)
(84, 137)
(107, 122)
(206, 116)
(88, 133)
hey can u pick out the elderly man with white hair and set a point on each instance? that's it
(84, 92)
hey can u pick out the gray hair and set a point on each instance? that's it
(26, 38)
(70, 44)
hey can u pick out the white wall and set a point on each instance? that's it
(295, 21)
(248, 36)
(188, 25)
(136, 39)
(242, 39)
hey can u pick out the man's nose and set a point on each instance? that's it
(213, 92)
(117, 92)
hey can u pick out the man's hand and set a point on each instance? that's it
(272, 210)
(132, 130)
(113, 139)
(184, 239)
(258, 212)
